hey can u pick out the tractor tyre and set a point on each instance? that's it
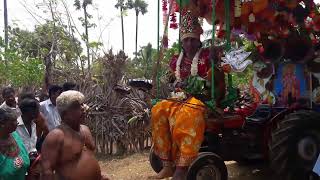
(295, 145)
(207, 166)
(155, 161)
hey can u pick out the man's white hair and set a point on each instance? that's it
(67, 98)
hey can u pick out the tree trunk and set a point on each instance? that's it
(87, 39)
(50, 57)
(111, 147)
(122, 27)
(48, 72)
(137, 22)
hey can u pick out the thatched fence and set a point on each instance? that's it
(112, 104)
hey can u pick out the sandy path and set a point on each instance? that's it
(136, 167)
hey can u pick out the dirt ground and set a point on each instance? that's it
(136, 167)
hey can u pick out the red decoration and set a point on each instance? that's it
(221, 33)
(173, 16)
(276, 18)
(316, 23)
(165, 11)
(164, 5)
(314, 40)
(173, 21)
(226, 68)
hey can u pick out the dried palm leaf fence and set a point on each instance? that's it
(118, 116)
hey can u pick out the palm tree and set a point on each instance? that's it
(78, 6)
(140, 6)
(121, 5)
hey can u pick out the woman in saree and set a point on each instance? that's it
(178, 127)
(14, 159)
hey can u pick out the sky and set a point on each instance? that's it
(28, 13)
(105, 16)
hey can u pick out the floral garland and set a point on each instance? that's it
(173, 16)
(165, 11)
(165, 39)
(194, 65)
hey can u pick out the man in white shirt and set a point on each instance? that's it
(10, 103)
(48, 107)
(26, 126)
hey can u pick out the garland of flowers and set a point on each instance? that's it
(164, 11)
(165, 39)
(173, 16)
(194, 65)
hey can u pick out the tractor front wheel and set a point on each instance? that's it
(295, 145)
(207, 166)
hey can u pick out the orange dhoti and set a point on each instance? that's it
(178, 130)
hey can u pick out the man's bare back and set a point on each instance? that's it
(70, 154)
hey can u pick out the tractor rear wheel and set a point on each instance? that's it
(155, 161)
(295, 145)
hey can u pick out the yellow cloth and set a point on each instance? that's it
(178, 130)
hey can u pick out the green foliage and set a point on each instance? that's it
(21, 71)
(139, 6)
(38, 43)
(121, 4)
(195, 85)
(174, 50)
(78, 5)
(242, 79)
(28, 49)
(141, 67)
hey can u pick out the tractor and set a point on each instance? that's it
(285, 134)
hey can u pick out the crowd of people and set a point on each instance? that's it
(46, 140)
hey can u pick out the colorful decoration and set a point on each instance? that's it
(165, 39)
(291, 83)
(255, 18)
(173, 16)
(190, 26)
(173, 21)
(164, 11)
(236, 60)
(164, 5)
(259, 84)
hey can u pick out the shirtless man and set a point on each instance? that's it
(68, 150)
